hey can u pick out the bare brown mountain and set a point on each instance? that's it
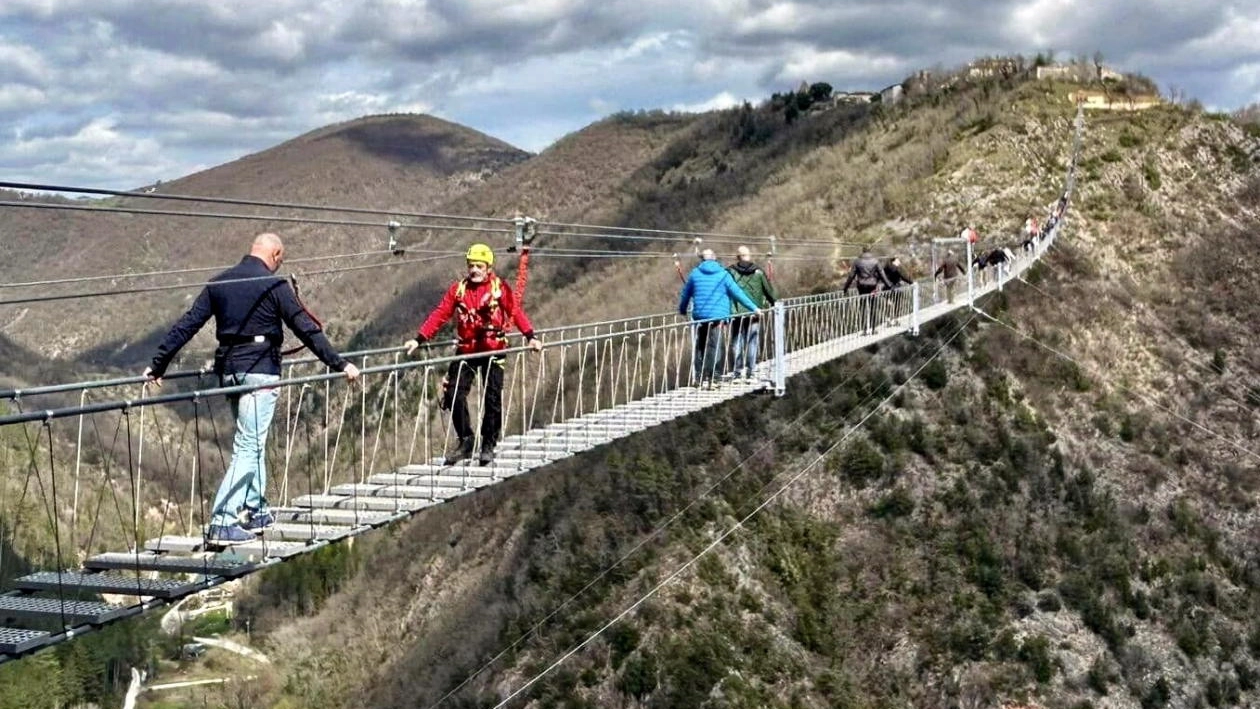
(400, 162)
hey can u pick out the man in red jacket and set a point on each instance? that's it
(484, 309)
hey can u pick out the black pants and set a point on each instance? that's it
(459, 379)
(868, 307)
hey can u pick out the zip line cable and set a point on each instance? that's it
(321, 208)
(240, 217)
(730, 530)
(203, 269)
(1204, 367)
(179, 286)
(245, 202)
(661, 528)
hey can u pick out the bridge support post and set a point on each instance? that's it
(971, 275)
(780, 349)
(914, 307)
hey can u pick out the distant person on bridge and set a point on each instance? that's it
(249, 304)
(709, 290)
(746, 326)
(869, 275)
(897, 277)
(949, 270)
(485, 309)
(894, 275)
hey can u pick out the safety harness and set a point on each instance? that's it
(487, 315)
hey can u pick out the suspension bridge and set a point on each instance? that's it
(347, 459)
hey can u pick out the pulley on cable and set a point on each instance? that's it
(526, 230)
(393, 228)
(695, 249)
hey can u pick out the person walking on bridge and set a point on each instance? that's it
(746, 325)
(869, 275)
(249, 304)
(709, 291)
(485, 309)
(949, 270)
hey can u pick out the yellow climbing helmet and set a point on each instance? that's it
(480, 252)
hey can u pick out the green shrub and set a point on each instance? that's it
(898, 503)
(935, 375)
(638, 677)
(1035, 653)
(1150, 171)
(860, 463)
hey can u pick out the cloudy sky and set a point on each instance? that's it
(119, 93)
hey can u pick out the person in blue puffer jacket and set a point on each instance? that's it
(709, 291)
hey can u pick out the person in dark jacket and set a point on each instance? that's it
(949, 270)
(249, 304)
(746, 325)
(894, 275)
(709, 291)
(898, 279)
(869, 275)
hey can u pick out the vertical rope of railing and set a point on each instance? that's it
(78, 469)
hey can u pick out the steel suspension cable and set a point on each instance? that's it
(1140, 395)
(725, 534)
(243, 202)
(180, 286)
(660, 528)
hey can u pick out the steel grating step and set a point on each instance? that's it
(472, 472)
(298, 532)
(116, 561)
(362, 503)
(14, 641)
(74, 612)
(334, 517)
(419, 491)
(106, 583)
(595, 426)
(261, 549)
(421, 481)
(558, 443)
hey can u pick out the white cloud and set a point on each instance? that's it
(19, 97)
(196, 82)
(840, 64)
(723, 100)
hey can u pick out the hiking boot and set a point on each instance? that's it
(463, 452)
(487, 453)
(259, 521)
(227, 535)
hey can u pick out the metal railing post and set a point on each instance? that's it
(780, 349)
(971, 280)
(914, 307)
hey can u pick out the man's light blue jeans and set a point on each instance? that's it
(245, 483)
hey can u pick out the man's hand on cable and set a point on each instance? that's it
(351, 371)
(411, 345)
(534, 344)
(148, 374)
